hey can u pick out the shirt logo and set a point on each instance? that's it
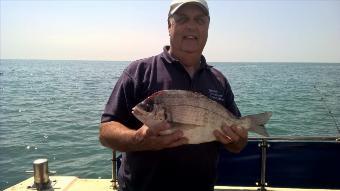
(215, 95)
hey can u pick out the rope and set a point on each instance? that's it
(328, 109)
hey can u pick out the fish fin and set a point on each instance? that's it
(257, 122)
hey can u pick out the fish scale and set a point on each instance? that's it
(190, 107)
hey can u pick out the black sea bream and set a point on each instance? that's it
(195, 114)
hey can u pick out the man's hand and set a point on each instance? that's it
(234, 138)
(151, 139)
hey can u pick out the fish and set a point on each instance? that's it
(195, 114)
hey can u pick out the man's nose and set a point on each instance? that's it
(191, 24)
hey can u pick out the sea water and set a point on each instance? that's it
(51, 109)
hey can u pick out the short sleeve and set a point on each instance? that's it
(230, 103)
(121, 101)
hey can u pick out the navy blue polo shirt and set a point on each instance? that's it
(187, 167)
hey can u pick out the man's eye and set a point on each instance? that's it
(200, 21)
(181, 19)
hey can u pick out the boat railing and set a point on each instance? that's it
(264, 143)
(296, 138)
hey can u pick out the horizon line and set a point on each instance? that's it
(92, 60)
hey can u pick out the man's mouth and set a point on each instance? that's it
(190, 37)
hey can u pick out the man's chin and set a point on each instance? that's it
(191, 50)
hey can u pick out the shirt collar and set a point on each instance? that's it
(169, 59)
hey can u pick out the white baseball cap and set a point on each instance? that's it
(176, 4)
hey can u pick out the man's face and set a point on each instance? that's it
(188, 29)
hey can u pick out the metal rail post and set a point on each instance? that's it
(263, 145)
(114, 170)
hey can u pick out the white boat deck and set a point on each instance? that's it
(73, 183)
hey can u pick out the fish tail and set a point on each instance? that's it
(257, 122)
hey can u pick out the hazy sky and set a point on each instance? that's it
(240, 30)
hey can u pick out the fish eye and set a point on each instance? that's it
(147, 105)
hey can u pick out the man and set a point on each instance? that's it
(166, 162)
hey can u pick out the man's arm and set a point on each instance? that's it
(119, 137)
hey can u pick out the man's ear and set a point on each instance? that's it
(169, 26)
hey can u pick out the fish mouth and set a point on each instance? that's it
(138, 111)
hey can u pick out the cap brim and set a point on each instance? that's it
(171, 12)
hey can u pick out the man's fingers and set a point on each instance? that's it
(170, 138)
(161, 127)
(179, 142)
(229, 132)
(240, 131)
(160, 137)
(221, 137)
(155, 130)
(174, 140)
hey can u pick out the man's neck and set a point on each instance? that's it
(190, 61)
(191, 64)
